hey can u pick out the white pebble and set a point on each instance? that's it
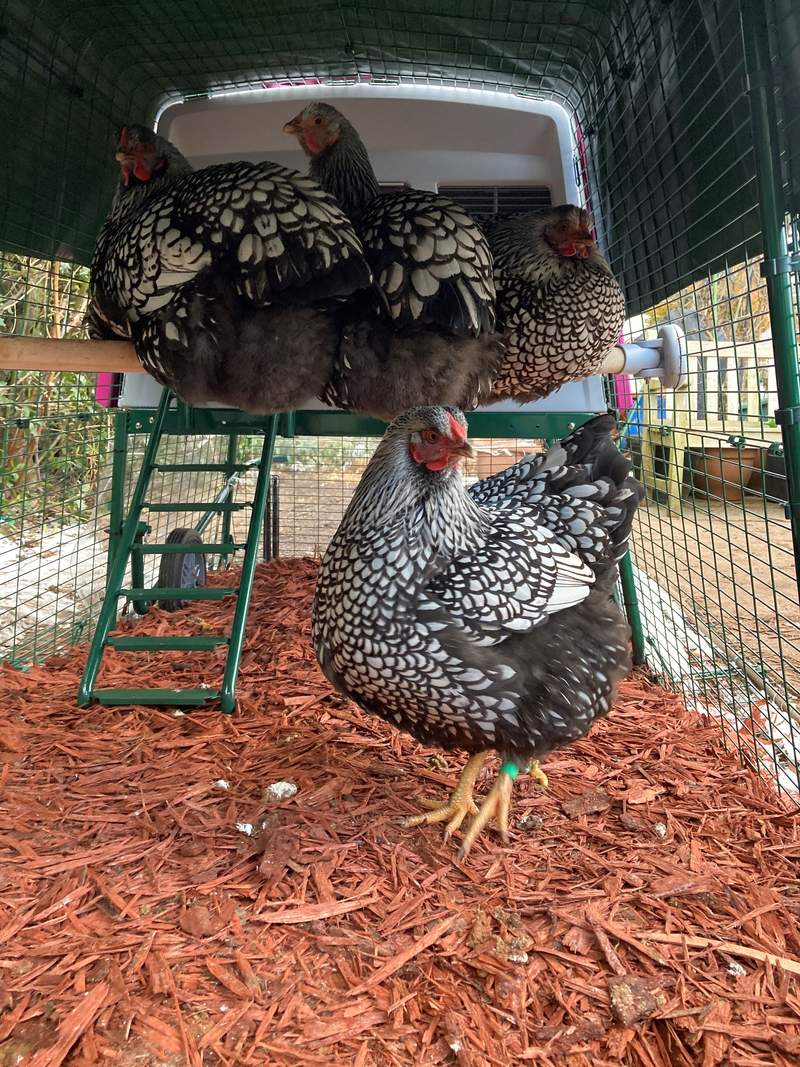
(735, 970)
(660, 830)
(281, 790)
(245, 828)
(455, 1046)
(222, 783)
(178, 713)
(518, 957)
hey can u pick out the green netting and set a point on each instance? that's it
(658, 89)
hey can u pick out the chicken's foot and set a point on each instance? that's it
(538, 775)
(497, 804)
(460, 804)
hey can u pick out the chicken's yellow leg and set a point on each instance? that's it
(497, 803)
(460, 804)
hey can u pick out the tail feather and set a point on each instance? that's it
(582, 489)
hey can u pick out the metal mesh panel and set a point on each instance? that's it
(54, 458)
(658, 90)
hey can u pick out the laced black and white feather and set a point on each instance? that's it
(276, 235)
(431, 260)
(428, 592)
(558, 315)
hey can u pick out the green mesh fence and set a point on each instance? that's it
(662, 97)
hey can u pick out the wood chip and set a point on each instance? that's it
(634, 998)
(138, 925)
(586, 804)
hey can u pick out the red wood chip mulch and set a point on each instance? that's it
(161, 904)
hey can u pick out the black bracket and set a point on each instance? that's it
(771, 268)
(788, 416)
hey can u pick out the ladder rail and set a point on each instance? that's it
(239, 622)
(119, 562)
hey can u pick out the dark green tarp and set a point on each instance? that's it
(657, 88)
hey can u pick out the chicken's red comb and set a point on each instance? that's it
(456, 429)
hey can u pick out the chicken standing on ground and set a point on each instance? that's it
(559, 307)
(480, 619)
(424, 334)
(224, 278)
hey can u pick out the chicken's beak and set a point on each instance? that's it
(584, 244)
(462, 451)
(294, 126)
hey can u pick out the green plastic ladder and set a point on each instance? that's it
(131, 546)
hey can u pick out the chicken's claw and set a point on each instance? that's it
(538, 775)
(497, 803)
(460, 804)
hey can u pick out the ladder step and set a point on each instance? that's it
(185, 697)
(187, 549)
(202, 592)
(201, 506)
(166, 644)
(213, 468)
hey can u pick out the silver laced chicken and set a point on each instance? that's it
(480, 619)
(424, 334)
(226, 279)
(559, 307)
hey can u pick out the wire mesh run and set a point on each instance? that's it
(660, 95)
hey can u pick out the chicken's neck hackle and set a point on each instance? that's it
(345, 171)
(432, 505)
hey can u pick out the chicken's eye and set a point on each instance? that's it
(430, 437)
(317, 122)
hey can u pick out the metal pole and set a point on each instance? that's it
(777, 267)
(631, 601)
(233, 447)
(117, 503)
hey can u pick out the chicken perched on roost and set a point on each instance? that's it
(480, 619)
(424, 334)
(559, 307)
(224, 278)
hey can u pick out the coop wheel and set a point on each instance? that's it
(181, 570)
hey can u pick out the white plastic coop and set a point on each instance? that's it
(481, 147)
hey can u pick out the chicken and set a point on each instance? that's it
(559, 308)
(480, 619)
(425, 335)
(226, 279)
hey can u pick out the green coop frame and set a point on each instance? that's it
(128, 528)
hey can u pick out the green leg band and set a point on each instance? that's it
(511, 769)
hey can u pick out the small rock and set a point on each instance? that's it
(222, 783)
(735, 970)
(529, 821)
(660, 830)
(517, 957)
(245, 828)
(200, 921)
(280, 791)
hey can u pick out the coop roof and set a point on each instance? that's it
(657, 89)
